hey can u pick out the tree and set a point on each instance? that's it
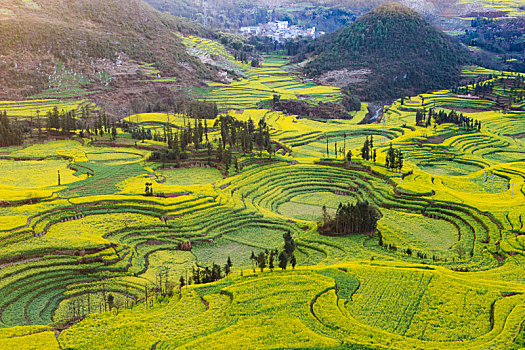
(114, 132)
(283, 260)
(111, 301)
(261, 261)
(326, 216)
(289, 243)
(228, 266)
(149, 189)
(293, 261)
(276, 100)
(399, 160)
(349, 156)
(182, 282)
(216, 273)
(365, 150)
(460, 250)
(197, 275)
(253, 258)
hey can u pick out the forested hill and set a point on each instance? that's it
(38, 35)
(405, 54)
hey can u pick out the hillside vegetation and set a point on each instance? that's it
(404, 53)
(87, 37)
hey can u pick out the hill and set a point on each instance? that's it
(395, 50)
(104, 42)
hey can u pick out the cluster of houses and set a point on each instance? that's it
(281, 31)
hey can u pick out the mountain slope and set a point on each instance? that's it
(81, 34)
(401, 52)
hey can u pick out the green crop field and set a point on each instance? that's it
(443, 270)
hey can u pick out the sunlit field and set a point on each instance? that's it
(443, 270)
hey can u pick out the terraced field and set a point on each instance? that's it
(254, 84)
(443, 271)
(34, 108)
(509, 8)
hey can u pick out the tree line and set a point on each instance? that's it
(321, 110)
(394, 159)
(207, 274)
(10, 133)
(453, 117)
(361, 217)
(243, 136)
(175, 104)
(367, 151)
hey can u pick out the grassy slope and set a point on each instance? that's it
(80, 32)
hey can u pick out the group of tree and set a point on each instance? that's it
(244, 136)
(245, 57)
(96, 123)
(207, 274)
(349, 218)
(499, 89)
(479, 89)
(140, 133)
(241, 56)
(421, 118)
(367, 151)
(103, 126)
(60, 120)
(10, 133)
(235, 136)
(176, 104)
(502, 37)
(320, 110)
(267, 258)
(453, 117)
(394, 159)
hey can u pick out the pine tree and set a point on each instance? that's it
(261, 261)
(289, 243)
(254, 260)
(365, 150)
(283, 260)
(228, 266)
